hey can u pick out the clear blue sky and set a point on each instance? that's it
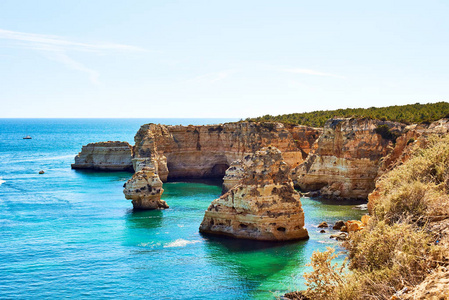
(218, 58)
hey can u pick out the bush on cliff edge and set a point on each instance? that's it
(395, 250)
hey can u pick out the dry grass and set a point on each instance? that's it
(418, 188)
(395, 250)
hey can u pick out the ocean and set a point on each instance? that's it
(72, 234)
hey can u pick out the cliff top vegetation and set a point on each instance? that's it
(408, 114)
(403, 242)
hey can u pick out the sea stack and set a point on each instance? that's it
(145, 190)
(263, 206)
(106, 156)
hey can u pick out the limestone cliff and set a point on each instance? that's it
(345, 159)
(109, 156)
(145, 190)
(207, 151)
(263, 206)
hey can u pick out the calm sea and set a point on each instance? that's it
(72, 234)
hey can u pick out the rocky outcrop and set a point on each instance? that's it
(208, 151)
(263, 206)
(108, 156)
(435, 286)
(416, 135)
(233, 175)
(345, 159)
(145, 190)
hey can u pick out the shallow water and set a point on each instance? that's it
(70, 233)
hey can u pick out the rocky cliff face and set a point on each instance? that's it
(145, 190)
(413, 135)
(110, 156)
(416, 135)
(207, 151)
(233, 175)
(345, 159)
(263, 206)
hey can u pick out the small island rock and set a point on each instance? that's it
(145, 190)
(263, 206)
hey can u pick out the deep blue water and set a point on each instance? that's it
(72, 234)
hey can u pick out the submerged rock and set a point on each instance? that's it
(341, 236)
(263, 206)
(323, 225)
(145, 190)
(338, 225)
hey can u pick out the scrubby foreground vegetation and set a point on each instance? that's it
(407, 237)
(412, 113)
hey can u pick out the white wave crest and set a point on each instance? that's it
(1, 181)
(180, 243)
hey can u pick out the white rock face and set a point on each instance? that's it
(108, 156)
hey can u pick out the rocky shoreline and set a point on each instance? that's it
(260, 163)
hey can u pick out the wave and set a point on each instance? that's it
(1, 181)
(180, 243)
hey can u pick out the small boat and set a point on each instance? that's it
(27, 137)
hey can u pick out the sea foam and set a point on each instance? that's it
(180, 243)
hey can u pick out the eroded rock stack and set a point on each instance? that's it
(108, 156)
(263, 206)
(145, 190)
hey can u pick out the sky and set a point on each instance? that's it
(221, 58)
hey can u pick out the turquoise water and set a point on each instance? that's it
(72, 234)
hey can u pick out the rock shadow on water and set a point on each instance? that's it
(144, 219)
(255, 262)
(207, 181)
(96, 174)
(246, 245)
(342, 202)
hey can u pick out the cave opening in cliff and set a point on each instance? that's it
(218, 170)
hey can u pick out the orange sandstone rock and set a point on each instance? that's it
(109, 156)
(365, 219)
(345, 159)
(263, 206)
(208, 151)
(145, 190)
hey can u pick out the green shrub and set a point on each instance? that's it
(412, 113)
